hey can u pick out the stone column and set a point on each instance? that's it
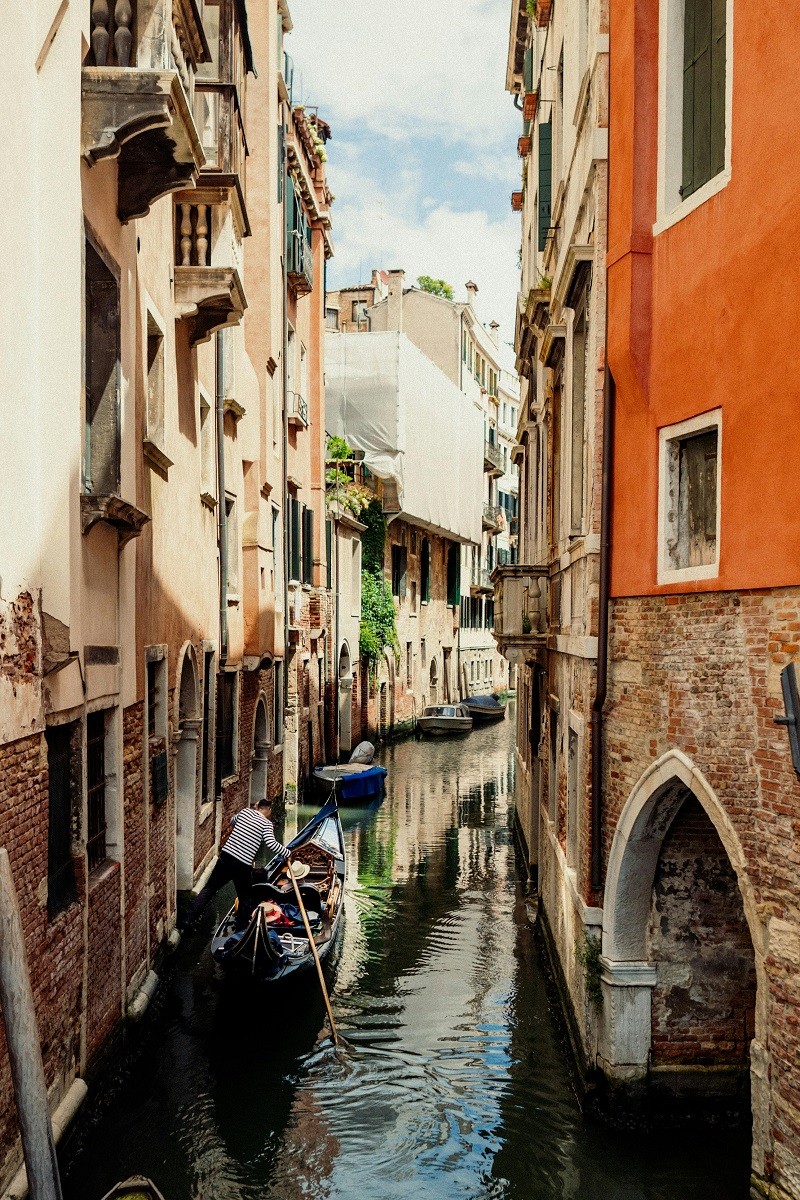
(625, 1035)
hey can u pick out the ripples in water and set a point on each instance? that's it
(452, 1083)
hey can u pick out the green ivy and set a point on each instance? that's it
(588, 955)
(378, 620)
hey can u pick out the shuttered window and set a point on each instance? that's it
(294, 538)
(102, 327)
(545, 181)
(63, 774)
(704, 53)
(454, 575)
(308, 545)
(425, 571)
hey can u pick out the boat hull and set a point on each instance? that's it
(351, 787)
(483, 716)
(444, 726)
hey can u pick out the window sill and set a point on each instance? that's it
(687, 574)
(228, 781)
(101, 872)
(156, 456)
(205, 812)
(208, 500)
(693, 202)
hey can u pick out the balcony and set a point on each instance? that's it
(493, 458)
(481, 583)
(135, 110)
(493, 517)
(298, 410)
(520, 613)
(300, 260)
(210, 222)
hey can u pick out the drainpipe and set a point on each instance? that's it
(222, 516)
(607, 495)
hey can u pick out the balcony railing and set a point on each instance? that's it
(300, 260)
(520, 620)
(481, 582)
(298, 410)
(492, 458)
(493, 517)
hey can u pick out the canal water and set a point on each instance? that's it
(454, 1084)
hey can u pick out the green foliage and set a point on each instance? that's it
(338, 449)
(373, 539)
(530, 5)
(378, 621)
(378, 624)
(437, 287)
(588, 955)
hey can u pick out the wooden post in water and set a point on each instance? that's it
(24, 1049)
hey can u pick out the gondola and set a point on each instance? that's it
(485, 708)
(254, 943)
(135, 1188)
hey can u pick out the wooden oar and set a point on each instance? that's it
(313, 946)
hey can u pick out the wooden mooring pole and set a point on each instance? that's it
(24, 1050)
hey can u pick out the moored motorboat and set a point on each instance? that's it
(135, 1188)
(358, 781)
(485, 708)
(439, 720)
(266, 937)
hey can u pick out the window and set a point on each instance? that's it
(399, 571)
(545, 182)
(208, 707)
(232, 524)
(553, 771)
(278, 714)
(694, 104)
(579, 342)
(689, 506)
(331, 318)
(422, 653)
(409, 664)
(308, 545)
(572, 800)
(454, 575)
(208, 467)
(96, 788)
(303, 372)
(157, 700)
(277, 555)
(226, 725)
(294, 539)
(413, 602)
(63, 776)
(425, 571)
(359, 311)
(703, 93)
(102, 331)
(155, 384)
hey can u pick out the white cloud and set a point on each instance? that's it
(380, 226)
(407, 68)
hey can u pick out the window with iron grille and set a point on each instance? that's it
(63, 773)
(226, 725)
(96, 789)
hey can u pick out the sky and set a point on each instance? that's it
(423, 155)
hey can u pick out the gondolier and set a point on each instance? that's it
(252, 829)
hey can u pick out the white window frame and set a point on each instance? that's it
(666, 518)
(670, 207)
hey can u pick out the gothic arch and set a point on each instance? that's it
(640, 831)
(259, 761)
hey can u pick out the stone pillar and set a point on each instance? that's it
(186, 802)
(625, 1035)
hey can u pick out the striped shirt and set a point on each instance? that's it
(251, 830)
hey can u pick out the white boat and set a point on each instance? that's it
(439, 720)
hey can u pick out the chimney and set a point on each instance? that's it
(394, 316)
(472, 291)
(493, 331)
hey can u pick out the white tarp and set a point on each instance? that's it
(418, 431)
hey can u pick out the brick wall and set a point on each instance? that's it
(135, 826)
(704, 1001)
(104, 1000)
(54, 948)
(702, 673)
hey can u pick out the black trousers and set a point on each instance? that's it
(226, 868)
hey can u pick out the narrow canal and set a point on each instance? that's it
(455, 1082)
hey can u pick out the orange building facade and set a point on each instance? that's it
(700, 965)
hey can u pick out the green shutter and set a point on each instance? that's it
(545, 180)
(290, 207)
(718, 56)
(329, 552)
(308, 545)
(528, 69)
(704, 54)
(281, 162)
(294, 538)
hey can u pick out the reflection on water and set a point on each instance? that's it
(453, 1082)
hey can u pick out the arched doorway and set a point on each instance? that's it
(189, 725)
(345, 700)
(434, 682)
(259, 763)
(680, 970)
